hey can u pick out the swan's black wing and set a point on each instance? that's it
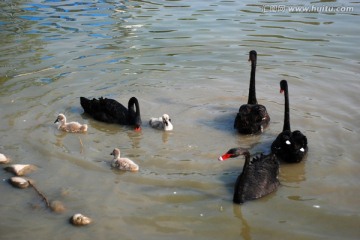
(258, 178)
(290, 146)
(113, 111)
(251, 118)
(105, 110)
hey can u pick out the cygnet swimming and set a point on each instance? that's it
(162, 123)
(73, 127)
(123, 163)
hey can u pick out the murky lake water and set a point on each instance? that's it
(187, 59)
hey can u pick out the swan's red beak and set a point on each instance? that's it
(224, 157)
(281, 90)
(137, 129)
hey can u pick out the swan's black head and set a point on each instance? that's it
(252, 55)
(134, 114)
(232, 153)
(283, 86)
(138, 123)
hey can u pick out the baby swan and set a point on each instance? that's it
(162, 123)
(123, 163)
(74, 127)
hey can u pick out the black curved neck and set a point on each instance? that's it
(246, 155)
(287, 110)
(252, 92)
(133, 101)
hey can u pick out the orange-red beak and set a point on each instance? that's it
(224, 157)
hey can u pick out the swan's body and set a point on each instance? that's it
(123, 163)
(4, 159)
(111, 111)
(73, 127)
(252, 117)
(289, 146)
(258, 178)
(162, 123)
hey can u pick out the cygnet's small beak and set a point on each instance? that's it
(112, 153)
(56, 120)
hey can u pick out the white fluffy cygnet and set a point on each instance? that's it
(73, 127)
(123, 163)
(162, 123)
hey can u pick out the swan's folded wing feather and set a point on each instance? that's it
(258, 178)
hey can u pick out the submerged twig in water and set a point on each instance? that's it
(40, 194)
(82, 146)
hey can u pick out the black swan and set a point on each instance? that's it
(252, 117)
(289, 146)
(111, 111)
(259, 176)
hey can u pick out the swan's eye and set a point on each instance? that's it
(302, 149)
(288, 142)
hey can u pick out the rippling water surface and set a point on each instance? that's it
(187, 59)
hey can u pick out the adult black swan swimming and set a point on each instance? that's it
(259, 176)
(289, 146)
(252, 117)
(111, 111)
